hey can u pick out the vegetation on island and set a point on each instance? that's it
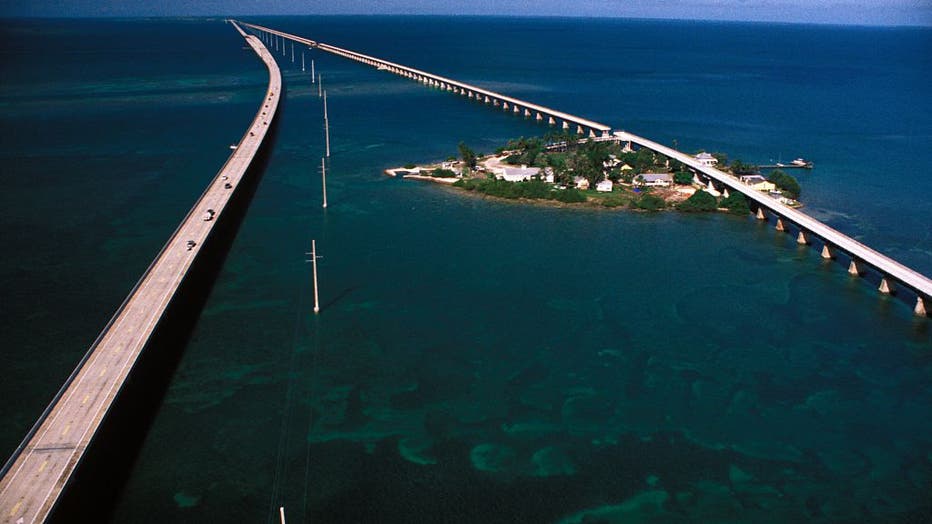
(529, 189)
(786, 183)
(569, 169)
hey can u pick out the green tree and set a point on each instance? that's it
(736, 203)
(683, 178)
(787, 183)
(699, 201)
(644, 160)
(468, 155)
(649, 202)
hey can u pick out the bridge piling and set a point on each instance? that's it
(827, 252)
(886, 286)
(854, 268)
(801, 238)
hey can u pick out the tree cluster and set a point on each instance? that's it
(787, 183)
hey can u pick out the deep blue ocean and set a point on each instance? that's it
(479, 360)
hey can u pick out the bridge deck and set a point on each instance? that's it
(602, 128)
(39, 470)
(886, 265)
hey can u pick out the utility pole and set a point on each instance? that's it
(323, 178)
(313, 262)
(326, 126)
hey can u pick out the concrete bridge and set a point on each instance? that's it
(520, 107)
(862, 257)
(892, 272)
(37, 473)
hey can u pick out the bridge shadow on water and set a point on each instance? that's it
(98, 480)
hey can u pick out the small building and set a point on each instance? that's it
(706, 159)
(758, 182)
(581, 182)
(654, 180)
(604, 186)
(548, 175)
(518, 174)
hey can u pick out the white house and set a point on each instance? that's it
(518, 174)
(706, 159)
(604, 186)
(581, 182)
(654, 180)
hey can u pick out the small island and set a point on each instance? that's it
(564, 169)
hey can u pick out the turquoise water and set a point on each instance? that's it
(478, 360)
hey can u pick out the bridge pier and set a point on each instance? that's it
(886, 286)
(854, 268)
(495, 102)
(516, 110)
(488, 100)
(760, 212)
(802, 239)
(538, 117)
(527, 112)
(827, 252)
(505, 106)
(780, 226)
(551, 121)
(920, 308)
(566, 125)
(592, 133)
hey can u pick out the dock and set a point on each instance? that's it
(35, 477)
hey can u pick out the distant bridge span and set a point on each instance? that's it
(583, 125)
(862, 256)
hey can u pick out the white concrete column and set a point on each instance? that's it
(539, 117)
(592, 133)
(505, 105)
(566, 125)
(760, 212)
(886, 286)
(516, 110)
(801, 238)
(854, 268)
(920, 308)
(827, 253)
(605, 134)
(780, 226)
(527, 112)
(495, 102)
(551, 121)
